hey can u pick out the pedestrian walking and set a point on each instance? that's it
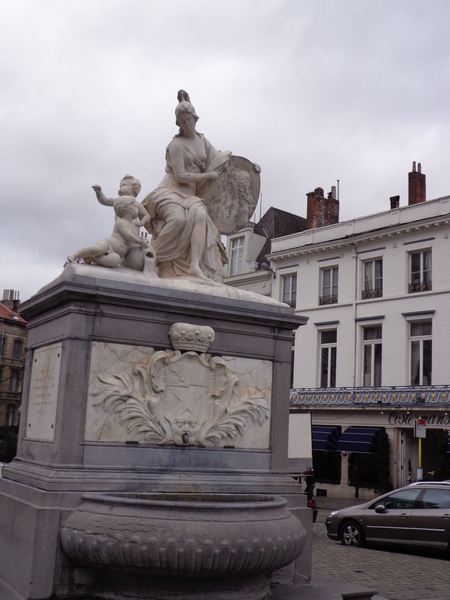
(431, 475)
(310, 482)
(356, 479)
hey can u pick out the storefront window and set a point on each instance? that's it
(327, 467)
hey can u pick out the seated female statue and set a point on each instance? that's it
(185, 238)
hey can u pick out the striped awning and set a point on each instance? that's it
(359, 439)
(325, 437)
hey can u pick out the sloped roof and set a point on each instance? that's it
(10, 315)
(277, 223)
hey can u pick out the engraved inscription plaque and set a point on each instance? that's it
(44, 393)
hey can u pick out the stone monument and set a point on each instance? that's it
(152, 459)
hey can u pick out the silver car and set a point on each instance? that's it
(417, 515)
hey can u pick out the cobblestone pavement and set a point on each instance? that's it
(397, 575)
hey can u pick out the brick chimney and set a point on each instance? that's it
(11, 300)
(417, 189)
(321, 211)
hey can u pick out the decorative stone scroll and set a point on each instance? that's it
(170, 397)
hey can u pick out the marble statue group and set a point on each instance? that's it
(153, 447)
(204, 193)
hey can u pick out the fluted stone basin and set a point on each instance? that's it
(178, 536)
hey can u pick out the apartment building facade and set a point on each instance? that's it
(13, 336)
(371, 364)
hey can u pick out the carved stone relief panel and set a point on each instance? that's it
(177, 398)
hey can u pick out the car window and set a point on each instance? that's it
(401, 499)
(434, 498)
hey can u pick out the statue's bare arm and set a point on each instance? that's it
(122, 227)
(144, 217)
(101, 196)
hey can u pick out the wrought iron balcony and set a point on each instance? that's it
(374, 293)
(430, 395)
(328, 299)
(419, 286)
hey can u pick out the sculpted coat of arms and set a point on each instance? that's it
(182, 398)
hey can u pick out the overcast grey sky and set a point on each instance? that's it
(313, 90)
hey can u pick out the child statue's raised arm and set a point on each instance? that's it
(101, 196)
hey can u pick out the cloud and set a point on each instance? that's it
(314, 91)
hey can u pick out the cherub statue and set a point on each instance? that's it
(110, 251)
(129, 186)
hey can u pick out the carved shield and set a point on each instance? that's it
(231, 200)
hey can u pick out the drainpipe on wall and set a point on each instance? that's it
(355, 330)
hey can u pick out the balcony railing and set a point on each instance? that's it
(374, 293)
(430, 395)
(419, 286)
(328, 299)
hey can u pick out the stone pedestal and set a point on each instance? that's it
(89, 424)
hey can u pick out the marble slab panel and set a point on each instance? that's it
(137, 394)
(43, 395)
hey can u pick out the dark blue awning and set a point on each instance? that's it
(359, 439)
(325, 437)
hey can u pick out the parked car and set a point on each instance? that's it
(417, 515)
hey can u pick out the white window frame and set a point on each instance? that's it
(370, 348)
(289, 289)
(417, 348)
(421, 279)
(372, 283)
(332, 288)
(237, 248)
(330, 350)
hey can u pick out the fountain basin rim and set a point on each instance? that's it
(190, 501)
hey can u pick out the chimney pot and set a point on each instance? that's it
(11, 299)
(395, 201)
(417, 191)
(318, 192)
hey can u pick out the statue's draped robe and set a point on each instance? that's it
(172, 236)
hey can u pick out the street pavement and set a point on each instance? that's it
(394, 574)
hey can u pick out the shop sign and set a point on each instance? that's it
(402, 418)
(420, 428)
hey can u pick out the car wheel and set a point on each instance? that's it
(352, 534)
